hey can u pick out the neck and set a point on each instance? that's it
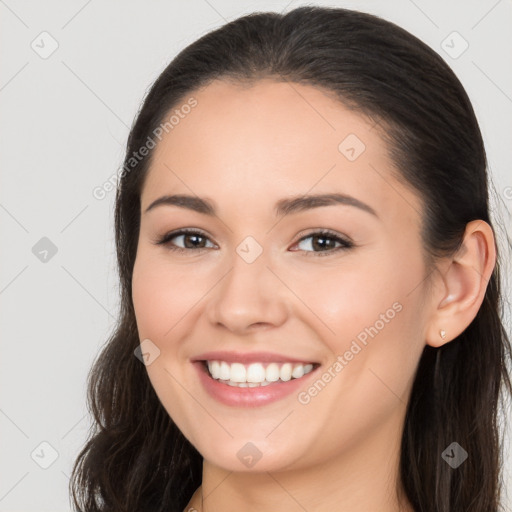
(361, 479)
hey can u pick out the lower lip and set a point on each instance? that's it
(248, 397)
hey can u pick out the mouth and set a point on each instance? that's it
(256, 374)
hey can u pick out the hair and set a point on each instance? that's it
(135, 457)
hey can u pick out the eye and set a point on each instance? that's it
(194, 240)
(325, 240)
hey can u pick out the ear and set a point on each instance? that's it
(462, 285)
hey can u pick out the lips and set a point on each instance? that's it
(250, 357)
(248, 397)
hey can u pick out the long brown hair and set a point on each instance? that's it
(136, 459)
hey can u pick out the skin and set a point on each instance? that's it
(244, 148)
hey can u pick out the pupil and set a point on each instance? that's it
(324, 245)
(191, 236)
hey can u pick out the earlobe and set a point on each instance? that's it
(464, 283)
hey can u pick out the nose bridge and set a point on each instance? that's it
(249, 293)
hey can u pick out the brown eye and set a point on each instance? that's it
(192, 240)
(325, 242)
(322, 243)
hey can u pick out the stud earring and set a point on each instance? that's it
(442, 333)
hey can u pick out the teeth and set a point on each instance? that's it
(298, 371)
(256, 374)
(286, 372)
(272, 372)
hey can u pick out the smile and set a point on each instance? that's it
(256, 374)
(237, 390)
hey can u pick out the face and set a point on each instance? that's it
(253, 280)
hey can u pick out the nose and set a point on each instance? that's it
(248, 297)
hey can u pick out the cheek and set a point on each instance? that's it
(347, 296)
(368, 311)
(162, 298)
(162, 295)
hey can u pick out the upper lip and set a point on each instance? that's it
(249, 357)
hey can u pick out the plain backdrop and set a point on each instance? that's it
(72, 77)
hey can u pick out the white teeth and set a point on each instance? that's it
(286, 372)
(298, 371)
(224, 371)
(238, 373)
(272, 372)
(214, 367)
(255, 374)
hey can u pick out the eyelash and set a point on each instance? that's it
(346, 244)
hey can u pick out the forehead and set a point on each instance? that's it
(252, 144)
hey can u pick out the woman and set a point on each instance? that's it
(310, 314)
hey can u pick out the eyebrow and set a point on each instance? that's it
(283, 207)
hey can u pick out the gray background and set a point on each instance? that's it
(64, 123)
